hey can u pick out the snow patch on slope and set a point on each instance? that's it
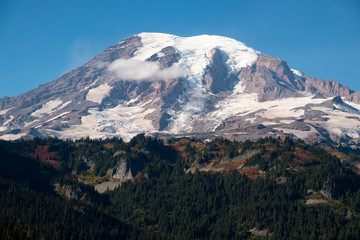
(5, 125)
(354, 105)
(3, 112)
(340, 122)
(26, 124)
(47, 108)
(12, 137)
(297, 133)
(298, 75)
(64, 105)
(99, 93)
(243, 104)
(123, 120)
(58, 116)
(9, 120)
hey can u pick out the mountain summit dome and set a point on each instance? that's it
(196, 52)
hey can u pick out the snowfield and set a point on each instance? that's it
(47, 108)
(97, 94)
(122, 120)
(195, 52)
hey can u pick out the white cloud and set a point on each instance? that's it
(130, 69)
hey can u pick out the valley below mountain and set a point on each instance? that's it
(179, 189)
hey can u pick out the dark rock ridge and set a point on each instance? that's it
(166, 57)
(326, 88)
(217, 78)
(354, 97)
(271, 78)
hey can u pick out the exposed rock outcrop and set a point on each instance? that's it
(73, 192)
(105, 186)
(354, 97)
(271, 78)
(217, 78)
(166, 57)
(262, 233)
(326, 88)
(121, 171)
(315, 201)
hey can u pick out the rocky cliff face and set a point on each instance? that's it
(271, 78)
(164, 84)
(217, 78)
(354, 97)
(166, 57)
(121, 171)
(326, 88)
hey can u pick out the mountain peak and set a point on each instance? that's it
(195, 51)
(203, 85)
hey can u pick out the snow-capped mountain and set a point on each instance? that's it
(203, 85)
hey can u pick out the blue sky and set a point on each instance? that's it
(41, 40)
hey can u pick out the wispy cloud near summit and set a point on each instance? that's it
(130, 69)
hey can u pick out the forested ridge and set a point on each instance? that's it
(179, 189)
